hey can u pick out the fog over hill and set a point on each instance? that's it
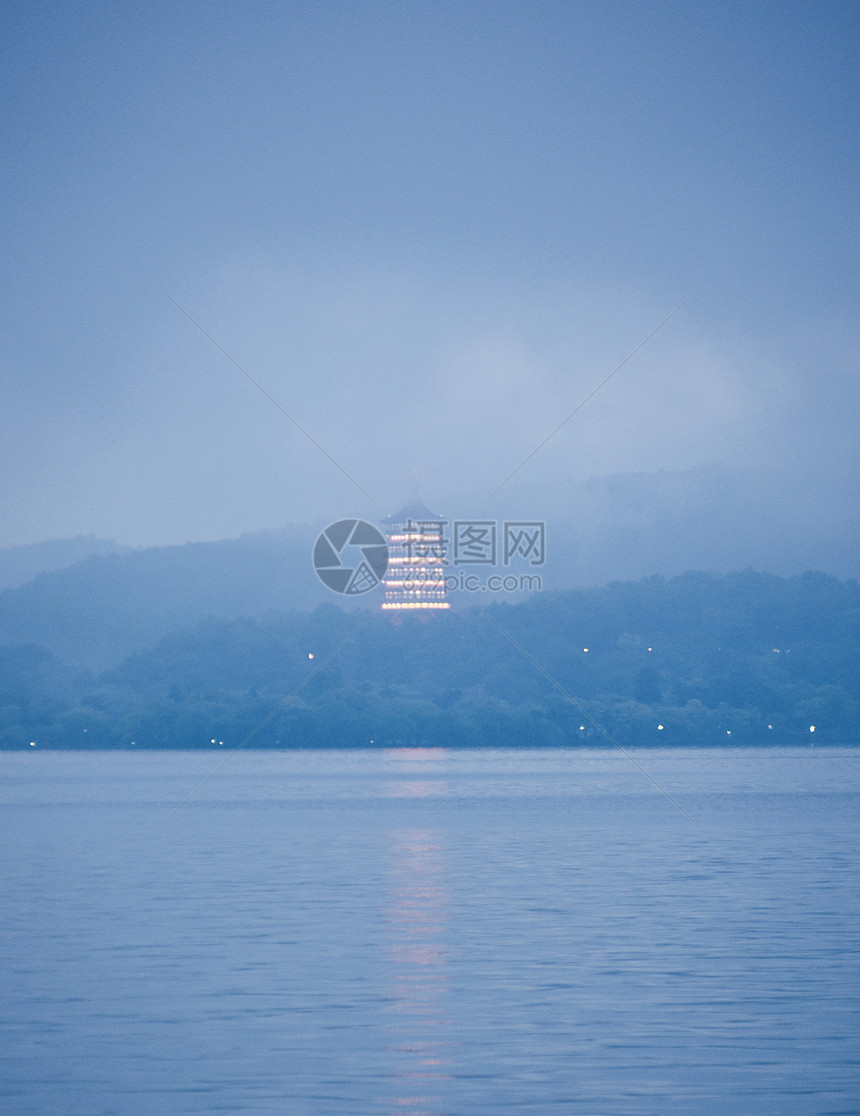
(709, 518)
(97, 611)
(20, 564)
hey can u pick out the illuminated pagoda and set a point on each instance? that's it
(415, 578)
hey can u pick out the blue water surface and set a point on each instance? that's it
(429, 932)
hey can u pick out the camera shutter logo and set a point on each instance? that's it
(351, 556)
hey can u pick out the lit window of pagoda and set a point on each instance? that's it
(415, 578)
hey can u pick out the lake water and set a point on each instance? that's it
(428, 932)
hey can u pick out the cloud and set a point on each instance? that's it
(415, 383)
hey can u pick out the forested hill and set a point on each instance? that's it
(745, 658)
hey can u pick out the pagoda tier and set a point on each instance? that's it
(415, 578)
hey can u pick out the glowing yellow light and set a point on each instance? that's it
(415, 604)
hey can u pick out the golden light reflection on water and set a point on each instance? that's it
(415, 772)
(416, 918)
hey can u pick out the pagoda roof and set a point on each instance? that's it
(414, 510)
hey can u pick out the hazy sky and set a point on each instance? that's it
(428, 230)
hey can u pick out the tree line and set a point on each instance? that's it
(746, 658)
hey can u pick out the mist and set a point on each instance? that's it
(278, 267)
